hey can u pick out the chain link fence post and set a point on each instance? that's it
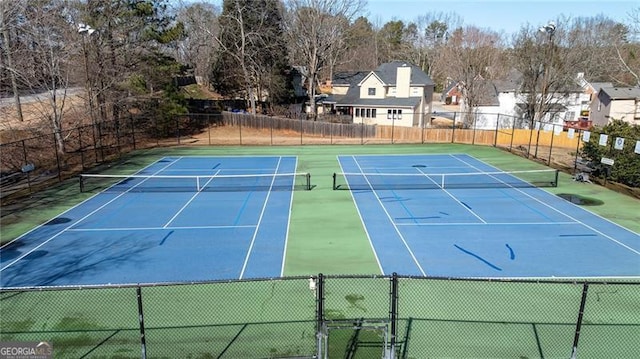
(583, 301)
(318, 283)
(393, 316)
(141, 321)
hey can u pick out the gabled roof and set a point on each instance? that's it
(451, 86)
(372, 73)
(622, 93)
(350, 78)
(510, 83)
(387, 72)
(598, 85)
(488, 94)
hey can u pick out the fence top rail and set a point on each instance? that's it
(587, 280)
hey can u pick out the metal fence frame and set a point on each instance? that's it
(30, 164)
(390, 300)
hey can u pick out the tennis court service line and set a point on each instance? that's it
(155, 228)
(413, 256)
(82, 219)
(190, 200)
(559, 211)
(490, 224)
(464, 205)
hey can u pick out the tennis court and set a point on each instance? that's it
(196, 218)
(453, 215)
(179, 219)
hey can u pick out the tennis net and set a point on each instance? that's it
(195, 183)
(398, 181)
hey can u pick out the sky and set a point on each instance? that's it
(500, 15)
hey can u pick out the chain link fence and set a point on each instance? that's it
(331, 317)
(31, 164)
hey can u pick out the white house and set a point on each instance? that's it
(619, 103)
(396, 93)
(503, 105)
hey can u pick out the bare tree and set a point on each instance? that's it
(631, 62)
(551, 57)
(201, 25)
(314, 28)
(600, 48)
(471, 56)
(431, 36)
(9, 11)
(45, 34)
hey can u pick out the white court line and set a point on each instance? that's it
(153, 228)
(255, 233)
(286, 236)
(366, 231)
(452, 196)
(561, 212)
(190, 200)
(81, 219)
(391, 220)
(489, 224)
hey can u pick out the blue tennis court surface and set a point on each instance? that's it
(179, 219)
(205, 218)
(485, 226)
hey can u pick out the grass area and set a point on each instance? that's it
(276, 318)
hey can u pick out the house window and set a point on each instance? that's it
(394, 114)
(366, 112)
(372, 91)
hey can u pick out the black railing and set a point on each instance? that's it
(30, 164)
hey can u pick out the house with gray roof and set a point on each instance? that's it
(396, 93)
(616, 103)
(503, 105)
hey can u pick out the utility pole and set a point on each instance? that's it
(549, 30)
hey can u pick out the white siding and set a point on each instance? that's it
(371, 82)
(623, 110)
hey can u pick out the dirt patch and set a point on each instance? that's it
(36, 117)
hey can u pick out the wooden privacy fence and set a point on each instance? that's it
(301, 125)
(500, 137)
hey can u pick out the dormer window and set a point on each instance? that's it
(372, 91)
